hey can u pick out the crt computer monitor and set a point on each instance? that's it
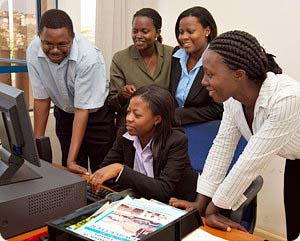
(17, 141)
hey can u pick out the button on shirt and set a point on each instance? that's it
(143, 159)
(186, 79)
(276, 131)
(79, 81)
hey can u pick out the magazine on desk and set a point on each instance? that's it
(126, 220)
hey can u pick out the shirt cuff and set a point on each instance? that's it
(210, 190)
(222, 201)
(205, 187)
(117, 179)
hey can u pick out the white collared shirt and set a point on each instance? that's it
(276, 131)
(79, 81)
(143, 159)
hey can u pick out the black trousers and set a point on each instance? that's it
(98, 139)
(292, 198)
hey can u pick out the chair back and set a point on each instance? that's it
(200, 140)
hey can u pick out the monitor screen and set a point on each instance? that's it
(17, 141)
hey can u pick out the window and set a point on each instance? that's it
(18, 27)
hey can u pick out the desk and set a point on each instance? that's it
(232, 235)
(28, 235)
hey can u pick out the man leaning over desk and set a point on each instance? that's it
(69, 71)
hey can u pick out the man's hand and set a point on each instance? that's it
(78, 130)
(104, 174)
(214, 219)
(75, 168)
(182, 204)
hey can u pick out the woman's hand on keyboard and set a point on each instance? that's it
(104, 174)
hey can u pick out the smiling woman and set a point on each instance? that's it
(147, 61)
(195, 28)
(263, 105)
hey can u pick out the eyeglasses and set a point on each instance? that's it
(60, 46)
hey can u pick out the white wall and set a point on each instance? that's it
(270, 214)
(275, 23)
(72, 7)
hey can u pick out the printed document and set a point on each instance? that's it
(128, 220)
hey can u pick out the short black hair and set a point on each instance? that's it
(241, 50)
(55, 18)
(152, 14)
(204, 17)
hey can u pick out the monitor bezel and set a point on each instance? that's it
(17, 134)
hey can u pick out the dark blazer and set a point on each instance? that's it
(173, 174)
(199, 107)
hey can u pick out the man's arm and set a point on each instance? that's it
(41, 109)
(78, 131)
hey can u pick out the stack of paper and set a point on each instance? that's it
(128, 219)
(201, 235)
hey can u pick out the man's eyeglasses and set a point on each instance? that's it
(60, 46)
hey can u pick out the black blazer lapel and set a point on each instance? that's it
(160, 161)
(196, 86)
(156, 167)
(175, 75)
(129, 153)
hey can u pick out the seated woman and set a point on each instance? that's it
(195, 28)
(261, 104)
(152, 156)
(147, 61)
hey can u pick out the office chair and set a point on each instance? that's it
(200, 139)
(246, 213)
(44, 149)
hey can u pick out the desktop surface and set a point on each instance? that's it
(28, 205)
(234, 234)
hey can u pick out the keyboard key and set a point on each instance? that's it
(92, 196)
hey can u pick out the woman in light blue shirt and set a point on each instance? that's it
(195, 28)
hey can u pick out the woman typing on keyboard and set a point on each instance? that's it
(151, 155)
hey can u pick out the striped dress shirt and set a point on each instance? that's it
(276, 131)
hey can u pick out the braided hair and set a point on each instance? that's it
(241, 50)
(152, 14)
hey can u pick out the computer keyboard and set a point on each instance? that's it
(92, 196)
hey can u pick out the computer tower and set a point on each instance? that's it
(28, 205)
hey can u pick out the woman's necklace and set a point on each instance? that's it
(151, 62)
